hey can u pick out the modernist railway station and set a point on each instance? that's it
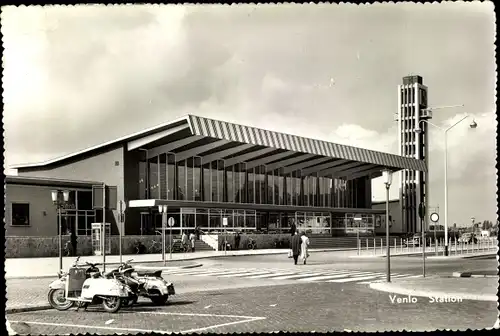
(205, 170)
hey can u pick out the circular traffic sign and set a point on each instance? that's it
(434, 217)
(171, 221)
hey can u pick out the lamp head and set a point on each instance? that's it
(54, 194)
(66, 195)
(473, 124)
(387, 174)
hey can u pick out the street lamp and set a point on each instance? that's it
(387, 175)
(472, 125)
(60, 203)
(163, 210)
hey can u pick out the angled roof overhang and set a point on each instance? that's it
(218, 140)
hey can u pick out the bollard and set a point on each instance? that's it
(381, 246)
(367, 244)
(374, 246)
(456, 252)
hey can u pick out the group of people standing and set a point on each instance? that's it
(299, 246)
(188, 241)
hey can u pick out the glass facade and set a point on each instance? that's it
(161, 177)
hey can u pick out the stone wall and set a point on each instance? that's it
(263, 241)
(29, 247)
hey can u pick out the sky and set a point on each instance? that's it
(78, 76)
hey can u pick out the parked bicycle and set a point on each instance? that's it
(139, 248)
(252, 245)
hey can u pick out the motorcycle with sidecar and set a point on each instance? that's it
(145, 283)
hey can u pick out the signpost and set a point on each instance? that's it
(224, 223)
(421, 214)
(121, 206)
(358, 220)
(171, 222)
(435, 219)
(163, 210)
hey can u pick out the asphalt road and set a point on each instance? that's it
(293, 307)
(400, 264)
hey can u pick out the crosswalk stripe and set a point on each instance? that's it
(242, 274)
(218, 273)
(352, 279)
(270, 275)
(295, 276)
(392, 276)
(333, 276)
(198, 272)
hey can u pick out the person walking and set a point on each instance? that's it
(295, 243)
(74, 241)
(192, 238)
(304, 248)
(293, 229)
(237, 238)
(184, 240)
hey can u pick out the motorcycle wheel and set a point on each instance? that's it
(159, 300)
(111, 304)
(57, 299)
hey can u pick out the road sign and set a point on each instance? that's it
(171, 221)
(421, 210)
(435, 217)
(224, 221)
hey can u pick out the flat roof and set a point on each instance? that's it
(42, 181)
(196, 135)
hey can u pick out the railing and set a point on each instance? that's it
(404, 246)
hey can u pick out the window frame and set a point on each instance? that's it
(12, 214)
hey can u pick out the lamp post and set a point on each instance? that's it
(163, 210)
(387, 174)
(59, 205)
(472, 125)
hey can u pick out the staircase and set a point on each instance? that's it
(200, 245)
(320, 242)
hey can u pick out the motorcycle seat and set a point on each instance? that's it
(148, 273)
(109, 274)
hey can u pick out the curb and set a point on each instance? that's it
(27, 309)
(383, 287)
(470, 275)
(163, 268)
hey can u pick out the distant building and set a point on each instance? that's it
(395, 222)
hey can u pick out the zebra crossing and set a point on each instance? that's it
(334, 276)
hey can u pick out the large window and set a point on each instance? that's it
(270, 187)
(230, 184)
(170, 176)
(240, 182)
(207, 183)
(251, 186)
(217, 178)
(84, 200)
(260, 185)
(143, 179)
(181, 180)
(20, 214)
(154, 178)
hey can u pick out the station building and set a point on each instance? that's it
(205, 170)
